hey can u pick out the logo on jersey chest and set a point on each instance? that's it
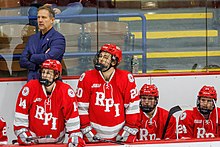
(107, 103)
(96, 85)
(201, 133)
(46, 117)
(37, 100)
(145, 135)
(196, 121)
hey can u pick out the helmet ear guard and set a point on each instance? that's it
(115, 59)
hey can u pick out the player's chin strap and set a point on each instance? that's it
(216, 110)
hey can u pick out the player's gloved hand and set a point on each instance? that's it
(25, 138)
(127, 134)
(76, 141)
(90, 134)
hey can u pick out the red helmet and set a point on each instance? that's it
(52, 64)
(113, 50)
(208, 91)
(150, 90)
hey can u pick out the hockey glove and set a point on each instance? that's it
(75, 140)
(127, 134)
(90, 134)
(25, 138)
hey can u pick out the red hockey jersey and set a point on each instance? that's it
(3, 135)
(107, 105)
(152, 128)
(192, 124)
(47, 115)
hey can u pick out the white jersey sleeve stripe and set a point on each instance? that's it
(3, 142)
(73, 124)
(83, 105)
(18, 122)
(133, 108)
(83, 112)
(21, 115)
(107, 132)
(21, 120)
(83, 108)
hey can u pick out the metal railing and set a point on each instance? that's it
(76, 54)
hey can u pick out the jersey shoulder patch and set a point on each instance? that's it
(1, 119)
(183, 115)
(82, 76)
(25, 91)
(71, 93)
(130, 78)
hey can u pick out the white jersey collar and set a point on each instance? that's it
(113, 73)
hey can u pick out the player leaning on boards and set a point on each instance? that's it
(46, 109)
(202, 121)
(152, 118)
(108, 99)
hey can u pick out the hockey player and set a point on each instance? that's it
(3, 135)
(46, 109)
(153, 118)
(108, 99)
(202, 121)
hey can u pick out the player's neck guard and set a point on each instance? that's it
(46, 82)
(100, 67)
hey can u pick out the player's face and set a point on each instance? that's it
(45, 21)
(148, 101)
(105, 59)
(47, 74)
(206, 103)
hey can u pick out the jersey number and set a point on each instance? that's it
(22, 103)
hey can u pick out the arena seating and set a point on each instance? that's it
(13, 38)
(9, 3)
(71, 31)
(103, 32)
